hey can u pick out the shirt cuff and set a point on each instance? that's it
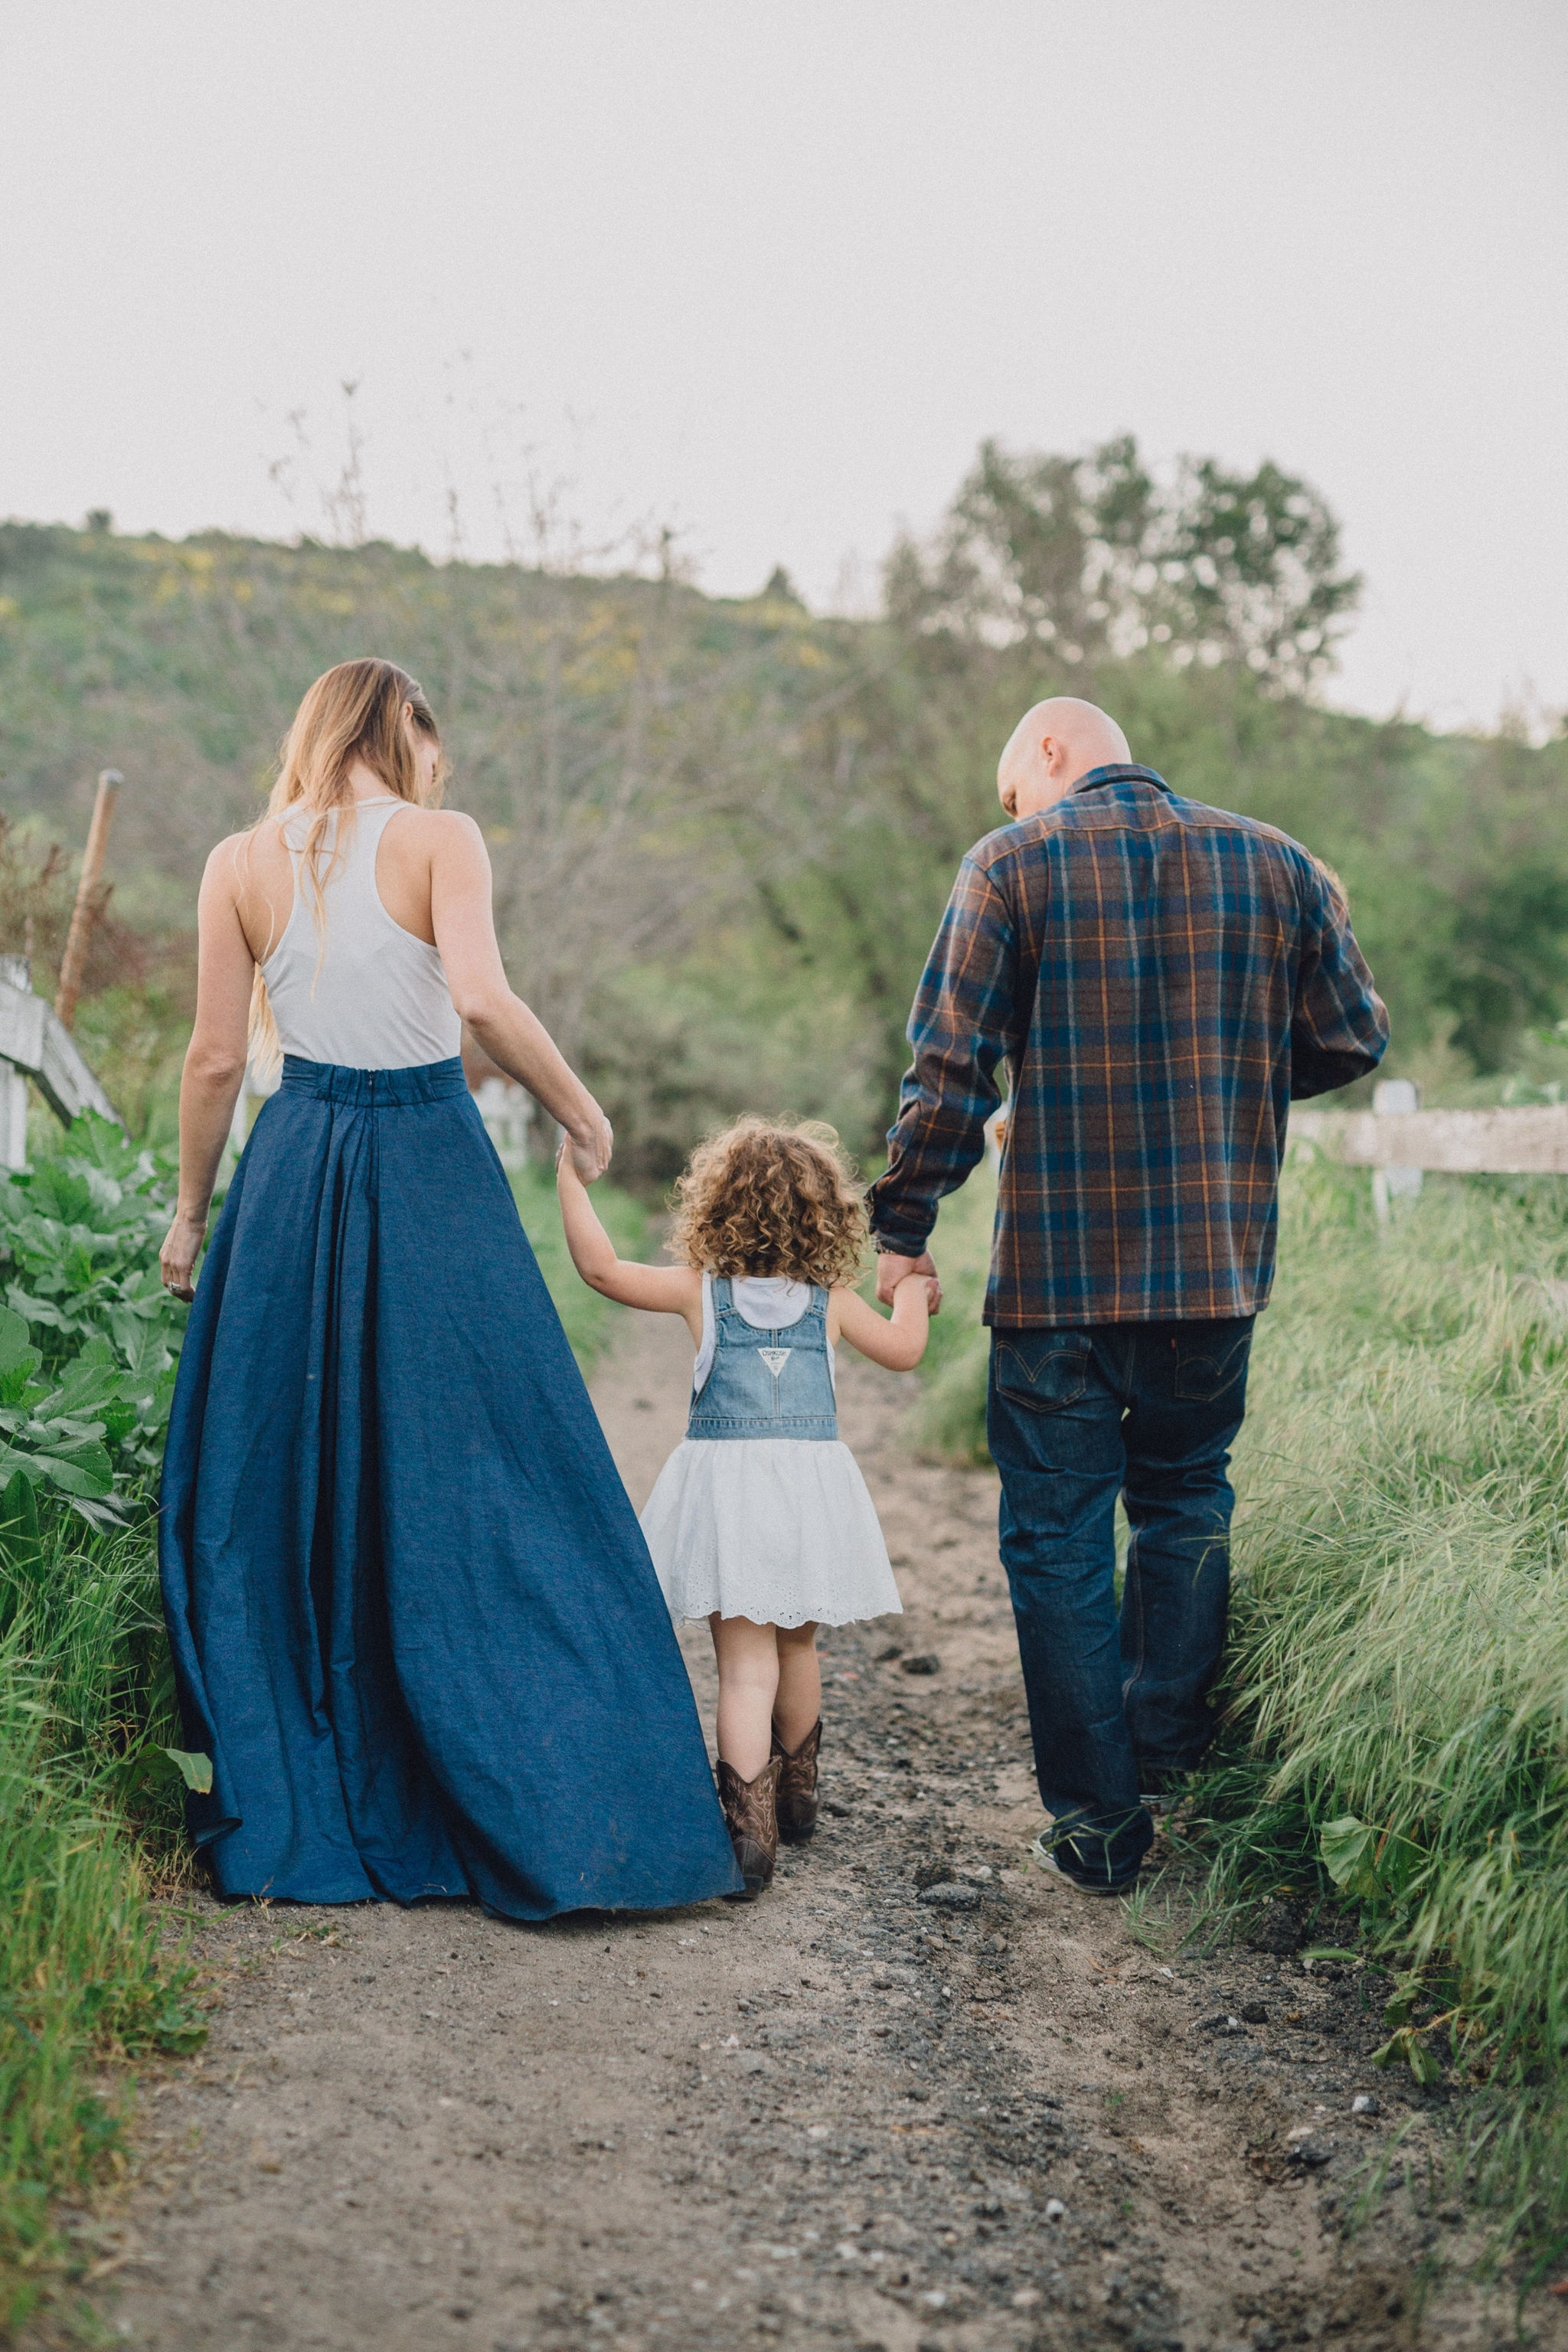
(900, 1241)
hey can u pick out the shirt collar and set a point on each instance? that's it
(1121, 771)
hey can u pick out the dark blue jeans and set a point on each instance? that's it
(1149, 1412)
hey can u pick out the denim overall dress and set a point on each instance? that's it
(767, 1383)
(762, 1511)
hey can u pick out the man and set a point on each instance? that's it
(1163, 980)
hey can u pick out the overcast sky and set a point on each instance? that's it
(768, 274)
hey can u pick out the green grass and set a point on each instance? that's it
(1394, 1699)
(87, 1803)
(1396, 1689)
(590, 1321)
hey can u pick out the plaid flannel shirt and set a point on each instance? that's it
(1163, 980)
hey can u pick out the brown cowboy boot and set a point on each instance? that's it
(750, 1816)
(797, 1785)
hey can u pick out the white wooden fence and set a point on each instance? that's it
(1396, 1140)
(35, 1043)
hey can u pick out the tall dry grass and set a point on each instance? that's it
(1395, 1695)
(1394, 1709)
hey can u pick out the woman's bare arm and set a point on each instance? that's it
(215, 1062)
(464, 924)
(663, 1289)
(898, 1345)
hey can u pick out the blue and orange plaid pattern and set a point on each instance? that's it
(1162, 979)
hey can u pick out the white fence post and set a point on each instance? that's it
(13, 1116)
(1394, 1098)
(507, 1110)
(18, 972)
(35, 1044)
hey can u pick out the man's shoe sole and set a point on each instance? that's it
(1040, 1853)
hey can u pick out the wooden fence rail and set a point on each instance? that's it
(1531, 1140)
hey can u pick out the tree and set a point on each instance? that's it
(1093, 559)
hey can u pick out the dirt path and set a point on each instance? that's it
(844, 2117)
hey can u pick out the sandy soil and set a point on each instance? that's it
(845, 2117)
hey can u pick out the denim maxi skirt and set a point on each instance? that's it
(414, 1622)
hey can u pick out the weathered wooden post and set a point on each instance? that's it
(74, 960)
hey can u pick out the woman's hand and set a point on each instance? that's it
(590, 1146)
(182, 1247)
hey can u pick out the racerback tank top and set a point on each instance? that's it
(373, 998)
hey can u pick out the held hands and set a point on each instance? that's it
(182, 1247)
(587, 1153)
(891, 1270)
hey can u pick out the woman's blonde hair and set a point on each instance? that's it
(352, 712)
(772, 1196)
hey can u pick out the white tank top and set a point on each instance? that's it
(376, 998)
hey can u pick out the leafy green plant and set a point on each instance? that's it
(90, 1338)
(90, 1765)
(46, 1434)
(1406, 2043)
(1369, 1868)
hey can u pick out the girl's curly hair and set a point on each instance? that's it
(771, 1196)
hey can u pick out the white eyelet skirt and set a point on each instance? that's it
(778, 1529)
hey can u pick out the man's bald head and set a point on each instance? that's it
(1051, 747)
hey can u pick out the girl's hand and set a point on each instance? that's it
(182, 1247)
(590, 1146)
(932, 1290)
(892, 1269)
(587, 1161)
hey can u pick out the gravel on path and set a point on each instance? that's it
(920, 2097)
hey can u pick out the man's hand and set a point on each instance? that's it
(892, 1270)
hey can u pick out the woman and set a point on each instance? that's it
(414, 1623)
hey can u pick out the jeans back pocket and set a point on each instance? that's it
(1042, 1370)
(1211, 1358)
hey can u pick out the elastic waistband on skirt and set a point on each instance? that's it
(375, 1090)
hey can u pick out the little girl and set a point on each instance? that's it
(760, 1521)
